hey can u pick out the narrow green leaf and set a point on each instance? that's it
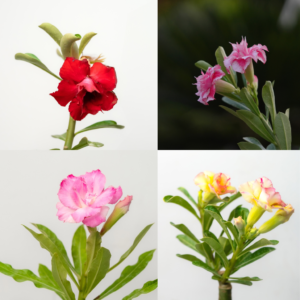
(68, 45)
(55, 149)
(187, 194)
(245, 282)
(59, 53)
(102, 124)
(233, 230)
(244, 80)
(147, 288)
(254, 141)
(248, 146)
(186, 231)
(188, 257)
(84, 142)
(128, 274)
(269, 99)
(32, 59)
(85, 40)
(99, 269)
(201, 264)
(187, 241)
(235, 104)
(52, 31)
(60, 276)
(231, 199)
(283, 131)
(133, 246)
(60, 136)
(201, 64)
(92, 247)
(218, 248)
(249, 101)
(231, 111)
(260, 243)
(225, 245)
(79, 249)
(205, 250)
(255, 123)
(253, 257)
(271, 147)
(207, 233)
(287, 113)
(246, 278)
(27, 275)
(183, 203)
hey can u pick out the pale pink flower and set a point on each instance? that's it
(262, 193)
(206, 84)
(241, 56)
(84, 199)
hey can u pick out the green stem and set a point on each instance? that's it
(70, 134)
(224, 291)
(81, 296)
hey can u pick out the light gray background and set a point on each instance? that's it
(179, 279)
(126, 36)
(29, 182)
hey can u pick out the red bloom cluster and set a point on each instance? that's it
(89, 89)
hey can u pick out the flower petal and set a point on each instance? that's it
(98, 218)
(88, 84)
(76, 108)
(84, 212)
(95, 181)
(108, 101)
(67, 90)
(74, 69)
(118, 194)
(64, 213)
(105, 197)
(103, 76)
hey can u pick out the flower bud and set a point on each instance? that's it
(240, 225)
(253, 233)
(119, 211)
(223, 87)
(280, 217)
(249, 73)
(255, 82)
(255, 214)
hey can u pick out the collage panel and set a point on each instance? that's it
(228, 225)
(56, 203)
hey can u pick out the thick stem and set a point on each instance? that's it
(81, 296)
(224, 291)
(70, 134)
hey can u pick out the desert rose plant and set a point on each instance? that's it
(84, 200)
(270, 125)
(86, 84)
(226, 253)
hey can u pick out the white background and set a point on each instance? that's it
(29, 182)
(178, 278)
(126, 36)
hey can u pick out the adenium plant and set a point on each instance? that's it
(226, 253)
(86, 84)
(84, 199)
(272, 126)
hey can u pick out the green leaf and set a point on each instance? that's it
(55, 149)
(147, 288)
(245, 282)
(235, 103)
(186, 231)
(128, 274)
(60, 136)
(233, 230)
(254, 141)
(99, 269)
(188, 257)
(59, 53)
(183, 203)
(187, 194)
(216, 215)
(207, 233)
(218, 248)
(92, 247)
(201, 264)
(85, 40)
(255, 123)
(246, 278)
(68, 45)
(249, 101)
(32, 59)
(49, 241)
(52, 31)
(231, 111)
(287, 112)
(260, 243)
(60, 276)
(133, 246)
(283, 131)
(201, 64)
(187, 241)
(205, 250)
(225, 245)
(102, 124)
(248, 146)
(269, 99)
(27, 275)
(271, 147)
(244, 80)
(79, 249)
(248, 259)
(84, 142)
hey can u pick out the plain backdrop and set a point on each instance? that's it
(126, 36)
(178, 278)
(29, 182)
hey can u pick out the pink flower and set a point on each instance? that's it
(83, 199)
(206, 84)
(241, 56)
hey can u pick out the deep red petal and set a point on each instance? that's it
(103, 76)
(108, 101)
(74, 69)
(67, 90)
(92, 102)
(76, 107)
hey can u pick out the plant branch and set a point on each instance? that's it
(70, 134)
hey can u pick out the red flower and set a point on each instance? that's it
(88, 88)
